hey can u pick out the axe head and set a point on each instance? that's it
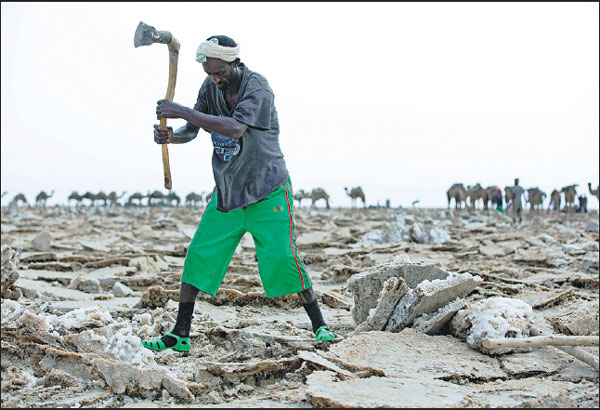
(146, 35)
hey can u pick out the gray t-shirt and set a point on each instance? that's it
(249, 169)
(517, 191)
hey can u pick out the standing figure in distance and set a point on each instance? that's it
(517, 204)
(498, 201)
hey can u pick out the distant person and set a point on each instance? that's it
(498, 201)
(253, 191)
(582, 208)
(517, 204)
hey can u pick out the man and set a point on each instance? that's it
(517, 204)
(498, 201)
(582, 208)
(253, 191)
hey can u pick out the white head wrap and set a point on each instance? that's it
(211, 48)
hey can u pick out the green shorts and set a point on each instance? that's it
(271, 223)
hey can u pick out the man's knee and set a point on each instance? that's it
(187, 292)
(307, 296)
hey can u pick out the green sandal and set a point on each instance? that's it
(182, 345)
(324, 334)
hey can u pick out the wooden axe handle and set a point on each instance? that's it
(166, 167)
(173, 56)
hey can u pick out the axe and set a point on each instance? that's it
(146, 35)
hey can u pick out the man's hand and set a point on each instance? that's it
(162, 136)
(169, 109)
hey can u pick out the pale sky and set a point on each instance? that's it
(403, 99)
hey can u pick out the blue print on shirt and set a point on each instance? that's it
(225, 147)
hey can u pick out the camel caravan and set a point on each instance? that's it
(88, 198)
(137, 199)
(471, 197)
(157, 198)
(535, 197)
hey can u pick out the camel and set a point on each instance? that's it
(354, 193)
(76, 197)
(114, 199)
(209, 196)
(19, 197)
(172, 196)
(155, 198)
(535, 197)
(594, 192)
(459, 193)
(491, 192)
(508, 196)
(570, 195)
(477, 192)
(192, 199)
(101, 196)
(319, 193)
(4, 193)
(90, 196)
(40, 199)
(555, 200)
(137, 196)
(300, 195)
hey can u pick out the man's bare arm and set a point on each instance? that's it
(225, 126)
(180, 136)
(184, 134)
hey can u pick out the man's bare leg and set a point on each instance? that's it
(307, 296)
(311, 305)
(187, 293)
(187, 299)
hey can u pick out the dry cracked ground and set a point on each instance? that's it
(415, 293)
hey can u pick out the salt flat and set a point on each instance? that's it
(82, 286)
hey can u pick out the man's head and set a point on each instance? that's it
(516, 181)
(219, 58)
